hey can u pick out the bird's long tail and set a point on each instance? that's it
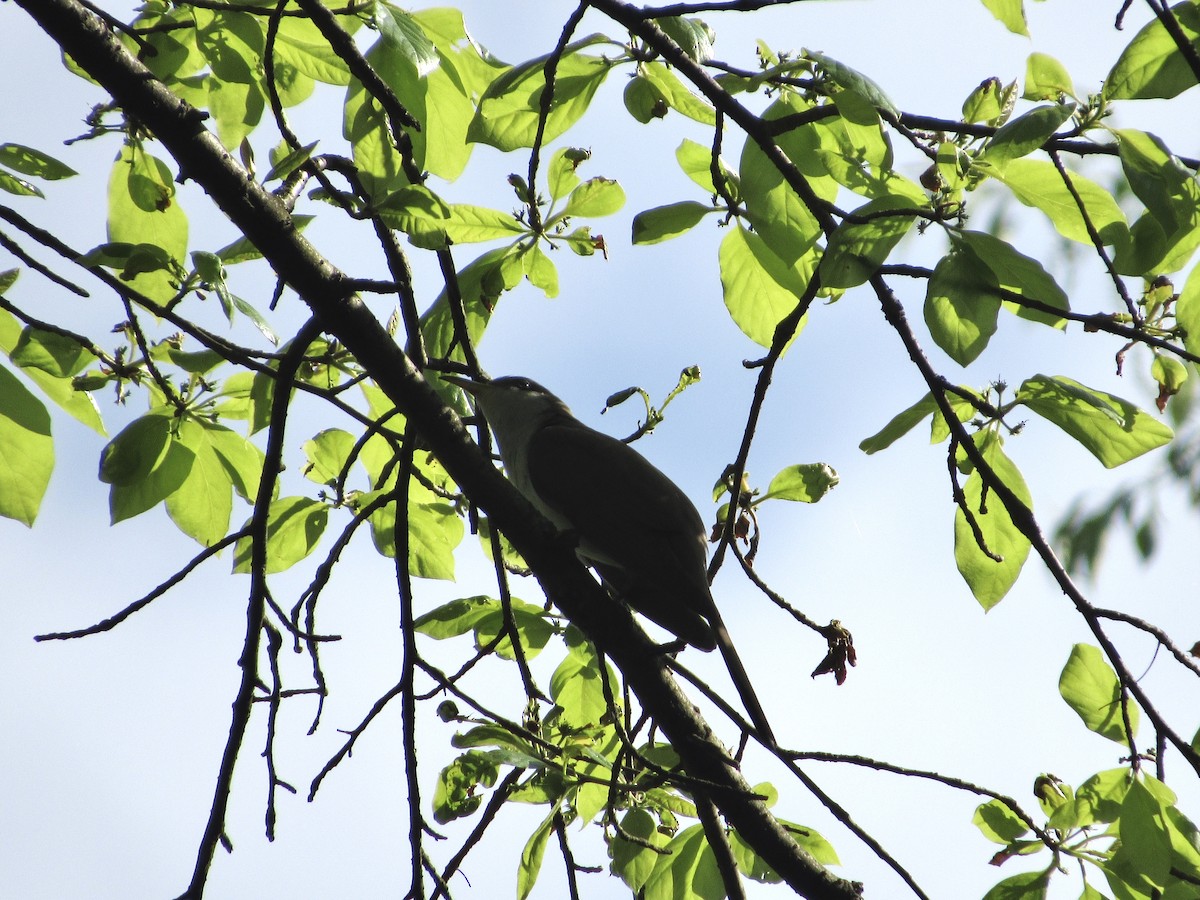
(741, 680)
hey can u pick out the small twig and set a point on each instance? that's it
(16, 250)
(117, 618)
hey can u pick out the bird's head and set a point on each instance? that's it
(514, 407)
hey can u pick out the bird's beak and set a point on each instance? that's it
(470, 385)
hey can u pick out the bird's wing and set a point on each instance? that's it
(634, 519)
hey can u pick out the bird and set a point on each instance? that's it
(631, 522)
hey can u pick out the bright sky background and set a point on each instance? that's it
(111, 744)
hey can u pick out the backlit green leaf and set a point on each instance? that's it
(961, 306)
(665, 222)
(1090, 687)
(1113, 430)
(1151, 66)
(806, 483)
(1011, 13)
(144, 464)
(857, 250)
(29, 161)
(531, 856)
(26, 450)
(988, 579)
(635, 863)
(899, 426)
(405, 35)
(508, 113)
(1046, 78)
(595, 197)
(998, 822)
(1024, 134)
(142, 210)
(690, 871)
(1021, 274)
(294, 527)
(759, 288)
(1037, 183)
(1187, 311)
(576, 687)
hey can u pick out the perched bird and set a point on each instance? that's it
(633, 525)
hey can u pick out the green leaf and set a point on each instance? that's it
(19, 186)
(1037, 183)
(812, 842)
(294, 527)
(1091, 688)
(301, 44)
(1151, 66)
(773, 207)
(696, 162)
(595, 197)
(456, 617)
(998, 822)
(900, 425)
(509, 110)
(990, 102)
(534, 628)
(327, 452)
(807, 483)
(576, 687)
(1046, 78)
(562, 176)
(52, 353)
(1145, 834)
(144, 464)
(28, 161)
(665, 84)
(290, 162)
(665, 222)
(457, 792)
(78, 404)
(1171, 196)
(1187, 311)
(259, 320)
(1021, 136)
(1099, 798)
(857, 250)
(693, 36)
(480, 284)
(759, 288)
(434, 530)
(855, 81)
(635, 863)
(1113, 430)
(201, 506)
(142, 210)
(532, 854)
(643, 100)
(26, 450)
(405, 36)
(988, 579)
(233, 44)
(961, 305)
(471, 224)
(1026, 886)
(1011, 13)
(690, 871)
(1015, 272)
(541, 271)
